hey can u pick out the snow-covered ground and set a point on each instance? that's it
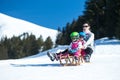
(105, 64)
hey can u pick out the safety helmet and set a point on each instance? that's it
(82, 34)
(74, 36)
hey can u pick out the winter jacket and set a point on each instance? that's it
(89, 40)
(76, 48)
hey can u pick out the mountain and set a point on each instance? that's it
(105, 64)
(10, 26)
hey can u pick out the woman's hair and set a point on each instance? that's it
(87, 23)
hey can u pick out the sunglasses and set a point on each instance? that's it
(85, 26)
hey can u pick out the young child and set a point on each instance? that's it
(74, 49)
(81, 39)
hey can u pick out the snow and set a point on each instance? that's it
(105, 63)
(10, 26)
(113, 49)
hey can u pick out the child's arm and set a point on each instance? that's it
(80, 46)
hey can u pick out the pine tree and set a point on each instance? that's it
(3, 50)
(117, 11)
(48, 44)
(68, 31)
(40, 42)
(33, 47)
(58, 37)
(95, 15)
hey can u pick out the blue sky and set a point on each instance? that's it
(47, 13)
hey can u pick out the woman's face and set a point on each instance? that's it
(86, 27)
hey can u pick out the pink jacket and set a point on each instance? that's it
(78, 46)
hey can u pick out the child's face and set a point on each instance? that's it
(74, 39)
(81, 38)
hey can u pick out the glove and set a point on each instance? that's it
(73, 50)
(85, 46)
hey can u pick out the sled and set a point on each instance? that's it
(69, 60)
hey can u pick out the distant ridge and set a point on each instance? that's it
(10, 26)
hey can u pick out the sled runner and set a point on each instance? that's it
(69, 59)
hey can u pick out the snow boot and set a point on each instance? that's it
(87, 58)
(56, 57)
(76, 58)
(51, 56)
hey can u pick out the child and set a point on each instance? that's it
(74, 49)
(81, 39)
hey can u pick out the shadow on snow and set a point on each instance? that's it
(35, 65)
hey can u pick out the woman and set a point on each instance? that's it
(89, 45)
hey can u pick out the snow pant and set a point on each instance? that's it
(66, 51)
(88, 53)
(77, 54)
(63, 52)
(83, 52)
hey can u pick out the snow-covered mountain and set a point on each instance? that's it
(105, 64)
(10, 26)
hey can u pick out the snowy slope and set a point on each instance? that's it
(10, 26)
(110, 47)
(103, 66)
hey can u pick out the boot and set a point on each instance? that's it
(51, 56)
(76, 58)
(56, 57)
(87, 58)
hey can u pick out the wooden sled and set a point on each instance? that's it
(69, 60)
